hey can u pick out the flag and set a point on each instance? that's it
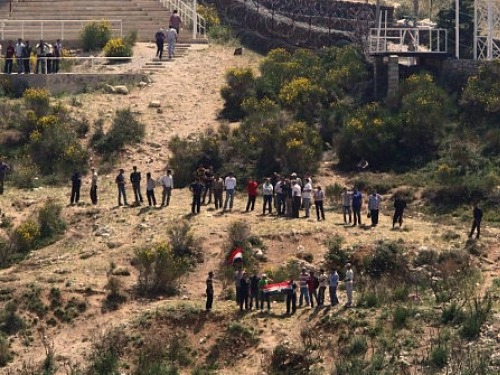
(277, 287)
(235, 255)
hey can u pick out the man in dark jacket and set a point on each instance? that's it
(197, 189)
(120, 183)
(476, 223)
(135, 179)
(4, 168)
(76, 184)
(254, 290)
(399, 207)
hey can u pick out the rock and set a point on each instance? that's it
(154, 104)
(142, 84)
(159, 110)
(114, 245)
(259, 254)
(121, 271)
(203, 339)
(121, 89)
(109, 89)
(102, 231)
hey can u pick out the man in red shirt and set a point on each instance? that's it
(252, 193)
(9, 56)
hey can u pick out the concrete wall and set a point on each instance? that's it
(72, 83)
(462, 67)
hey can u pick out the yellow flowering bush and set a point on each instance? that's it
(37, 100)
(117, 47)
(25, 236)
(95, 35)
(209, 12)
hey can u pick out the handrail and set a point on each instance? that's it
(405, 39)
(56, 29)
(188, 14)
(92, 63)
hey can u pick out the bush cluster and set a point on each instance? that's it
(117, 47)
(95, 35)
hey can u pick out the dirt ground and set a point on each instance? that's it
(189, 94)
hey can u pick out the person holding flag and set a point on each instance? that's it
(264, 292)
(291, 296)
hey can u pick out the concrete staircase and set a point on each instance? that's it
(159, 66)
(145, 16)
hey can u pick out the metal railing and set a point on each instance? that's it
(50, 29)
(405, 39)
(190, 18)
(82, 64)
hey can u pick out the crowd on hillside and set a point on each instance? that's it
(47, 57)
(255, 291)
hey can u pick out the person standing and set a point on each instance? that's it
(323, 283)
(278, 200)
(76, 184)
(19, 49)
(120, 183)
(267, 195)
(244, 289)
(399, 207)
(349, 284)
(160, 41)
(238, 275)
(304, 287)
(357, 203)
(175, 21)
(254, 290)
(172, 34)
(476, 222)
(209, 184)
(26, 57)
(346, 205)
(333, 281)
(296, 200)
(150, 190)
(313, 285)
(196, 189)
(93, 186)
(373, 207)
(230, 186)
(218, 190)
(319, 197)
(306, 196)
(287, 197)
(210, 291)
(57, 56)
(41, 57)
(135, 179)
(4, 168)
(167, 181)
(9, 57)
(263, 295)
(252, 194)
(291, 297)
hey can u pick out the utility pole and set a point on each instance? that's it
(457, 29)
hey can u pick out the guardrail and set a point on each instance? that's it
(50, 29)
(190, 18)
(84, 64)
(403, 39)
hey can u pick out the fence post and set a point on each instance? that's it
(195, 18)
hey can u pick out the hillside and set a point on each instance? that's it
(101, 239)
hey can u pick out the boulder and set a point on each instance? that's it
(154, 104)
(121, 89)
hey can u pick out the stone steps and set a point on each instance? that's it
(155, 65)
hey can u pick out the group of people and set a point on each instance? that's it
(255, 292)
(169, 35)
(286, 195)
(47, 57)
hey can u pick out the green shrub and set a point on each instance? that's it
(50, 221)
(439, 356)
(357, 346)
(106, 351)
(475, 317)
(131, 38)
(159, 269)
(368, 299)
(125, 130)
(221, 34)
(452, 314)
(333, 193)
(95, 35)
(335, 257)
(183, 242)
(240, 84)
(209, 13)
(5, 353)
(117, 47)
(400, 317)
(10, 321)
(290, 360)
(387, 259)
(32, 298)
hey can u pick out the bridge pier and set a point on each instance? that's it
(393, 81)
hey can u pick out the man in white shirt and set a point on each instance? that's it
(349, 284)
(19, 48)
(346, 205)
(230, 186)
(296, 198)
(172, 40)
(267, 194)
(373, 206)
(167, 181)
(306, 196)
